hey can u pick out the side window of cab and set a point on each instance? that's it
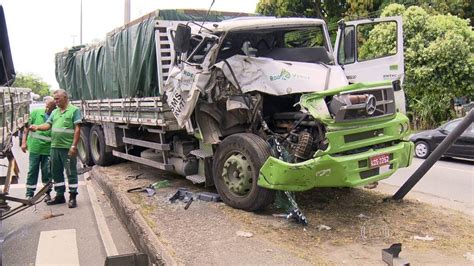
(199, 48)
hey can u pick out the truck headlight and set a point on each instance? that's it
(403, 127)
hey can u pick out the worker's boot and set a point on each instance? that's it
(57, 200)
(72, 200)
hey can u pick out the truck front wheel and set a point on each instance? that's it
(100, 156)
(236, 166)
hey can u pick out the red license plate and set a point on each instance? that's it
(379, 160)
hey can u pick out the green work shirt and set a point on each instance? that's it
(39, 142)
(62, 126)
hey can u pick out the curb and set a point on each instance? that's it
(142, 235)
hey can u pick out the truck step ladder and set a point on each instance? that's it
(201, 154)
(152, 163)
(147, 144)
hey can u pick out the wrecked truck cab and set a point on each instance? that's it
(280, 114)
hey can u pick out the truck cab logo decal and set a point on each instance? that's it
(284, 75)
(371, 104)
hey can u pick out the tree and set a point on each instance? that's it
(460, 8)
(331, 11)
(33, 82)
(302, 8)
(439, 60)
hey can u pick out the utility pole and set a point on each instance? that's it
(73, 40)
(80, 34)
(126, 13)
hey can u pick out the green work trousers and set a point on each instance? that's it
(61, 161)
(37, 162)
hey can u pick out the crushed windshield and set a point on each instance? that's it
(300, 44)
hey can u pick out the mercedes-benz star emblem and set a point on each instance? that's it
(371, 104)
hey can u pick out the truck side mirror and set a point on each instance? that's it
(182, 39)
(397, 85)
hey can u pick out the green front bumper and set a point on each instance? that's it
(330, 171)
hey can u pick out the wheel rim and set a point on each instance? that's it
(81, 150)
(95, 147)
(421, 150)
(237, 174)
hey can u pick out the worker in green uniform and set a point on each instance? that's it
(39, 145)
(65, 125)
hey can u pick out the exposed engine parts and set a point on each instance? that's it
(293, 135)
(303, 148)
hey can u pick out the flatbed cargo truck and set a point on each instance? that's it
(248, 104)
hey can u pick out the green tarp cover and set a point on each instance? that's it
(125, 64)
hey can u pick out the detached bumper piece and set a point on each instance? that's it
(335, 171)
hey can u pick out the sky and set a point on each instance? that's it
(40, 28)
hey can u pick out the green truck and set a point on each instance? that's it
(248, 104)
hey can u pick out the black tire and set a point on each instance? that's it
(84, 148)
(422, 149)
(252, 152)
(98, 147)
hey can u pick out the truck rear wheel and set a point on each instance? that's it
(236, 166)
(98, 147)
(83, 147)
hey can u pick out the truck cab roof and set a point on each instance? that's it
(253, 23)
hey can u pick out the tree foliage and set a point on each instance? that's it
(33, 82)
(460, 8)
(439, 61)
(333, 10)
(328, 10)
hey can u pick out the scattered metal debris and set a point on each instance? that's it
(51, 215)
(469, 256)
(133, 177)
(188, 197)
(424, 238)
(244, 234)
(150, 190)
(294, 211)
(390, 255)
(323, 227)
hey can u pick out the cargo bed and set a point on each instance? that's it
(148, 111)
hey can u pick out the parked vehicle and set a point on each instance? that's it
(426, 141)
(14, 102)
(250, 105)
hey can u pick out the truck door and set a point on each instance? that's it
(371, 50)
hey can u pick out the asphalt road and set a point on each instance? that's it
(26, 234)
(75, 235)
(449, 178)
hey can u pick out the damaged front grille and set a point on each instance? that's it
(363, 104)
(363, 135)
